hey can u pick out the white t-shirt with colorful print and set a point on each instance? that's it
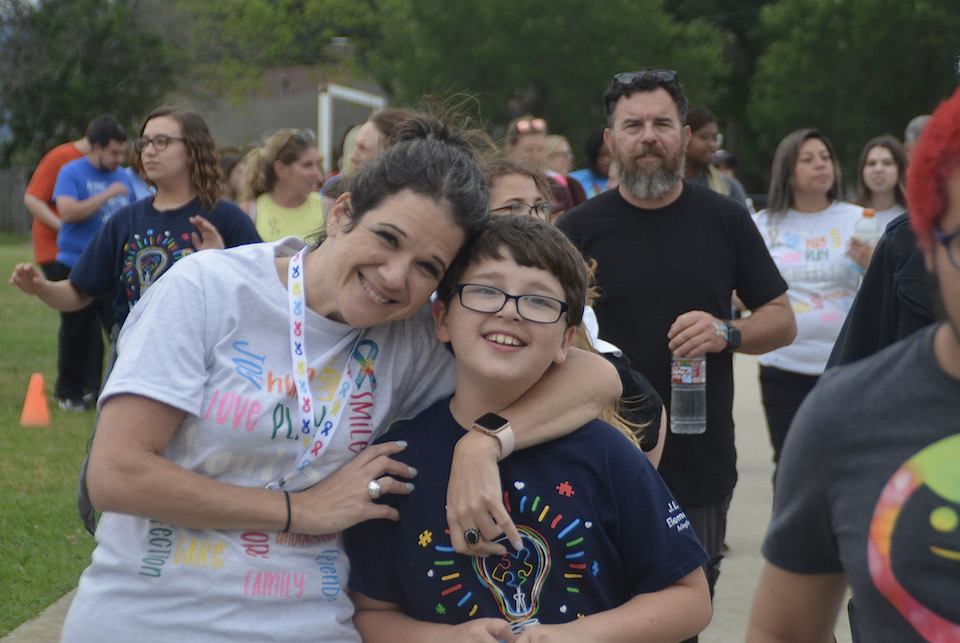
(212, 339)
(809, 249)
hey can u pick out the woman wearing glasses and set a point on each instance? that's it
(516, 188)
(807, 229)
(232, 447)
(176, 156)
(526, 143)
(280, 188)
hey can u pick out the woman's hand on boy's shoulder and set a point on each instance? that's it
(474, 498)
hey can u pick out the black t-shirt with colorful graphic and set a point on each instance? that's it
(139, 243)
(597, 522)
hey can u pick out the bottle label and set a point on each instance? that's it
(688, 371)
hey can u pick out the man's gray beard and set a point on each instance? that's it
(646, 186)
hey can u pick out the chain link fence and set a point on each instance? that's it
(13, 214)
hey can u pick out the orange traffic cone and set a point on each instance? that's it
(35, 411)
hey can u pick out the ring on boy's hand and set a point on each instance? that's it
(471, 536)
(374, 490)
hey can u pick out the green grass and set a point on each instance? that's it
(43, 546)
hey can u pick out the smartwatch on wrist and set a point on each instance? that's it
(498, 427)
(732, 334)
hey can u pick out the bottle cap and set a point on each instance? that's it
(868, 212)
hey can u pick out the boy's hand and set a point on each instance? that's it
(549, 634)
(481, 630)
(475, 499)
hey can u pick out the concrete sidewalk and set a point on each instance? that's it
(46, 627)
(749, 514)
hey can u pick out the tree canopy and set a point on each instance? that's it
(230, 43)
(550, 58)
(63, 62)
(543, 57)
(854, 69)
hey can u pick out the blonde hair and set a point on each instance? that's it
(286, 146)
(611, 412)
(553, 142)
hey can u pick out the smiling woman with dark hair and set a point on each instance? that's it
(701, 152)
(232, 448)
(176, 156)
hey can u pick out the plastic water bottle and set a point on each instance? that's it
(688, 395)
(867, 228)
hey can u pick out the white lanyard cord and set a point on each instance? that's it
(313, 443)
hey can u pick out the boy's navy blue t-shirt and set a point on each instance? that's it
(596, 519)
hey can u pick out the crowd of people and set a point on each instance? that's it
(426, 398)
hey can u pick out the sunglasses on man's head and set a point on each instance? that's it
(531, 125)
(627, 77)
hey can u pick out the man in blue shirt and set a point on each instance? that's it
(87, 193)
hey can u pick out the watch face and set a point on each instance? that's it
(734, 337)
(491, 421)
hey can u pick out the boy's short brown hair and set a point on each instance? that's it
(532, 243)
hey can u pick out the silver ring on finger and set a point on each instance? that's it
(374, 490)
(471, 536)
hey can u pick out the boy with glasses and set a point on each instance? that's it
(868, 491)
(606, 549)
(513, 188)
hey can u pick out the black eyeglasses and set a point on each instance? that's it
(487, 299)
(159, 142)
(627, 77)
(952, 243)
(541, 210)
